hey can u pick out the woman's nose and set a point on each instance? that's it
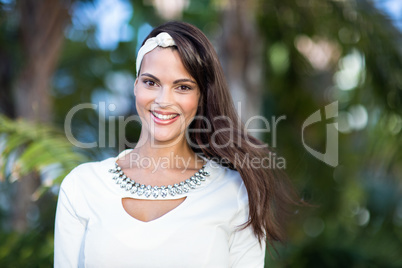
(164, 97)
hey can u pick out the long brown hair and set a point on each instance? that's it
(269, 192)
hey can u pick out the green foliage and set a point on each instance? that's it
(358, 219)
(27, 147)
(23, 250)
(33, 248)
(35, 147)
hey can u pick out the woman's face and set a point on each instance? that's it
(166, 96)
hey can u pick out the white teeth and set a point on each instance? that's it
(164, 116)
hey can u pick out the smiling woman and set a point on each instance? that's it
(183, 197)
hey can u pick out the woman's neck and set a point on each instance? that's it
(156, 155)
(151, 150)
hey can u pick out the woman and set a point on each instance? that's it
(179, 198)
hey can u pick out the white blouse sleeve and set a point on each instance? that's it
(69, 227)
(245, 249)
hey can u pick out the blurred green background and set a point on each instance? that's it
(282, 58)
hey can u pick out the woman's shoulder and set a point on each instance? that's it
(235, 178)
(231, 180)
(231, 193)
(89, 171)
(89, 168)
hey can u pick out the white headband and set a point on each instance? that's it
(163, 40)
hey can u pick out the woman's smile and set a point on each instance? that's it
(164, 117)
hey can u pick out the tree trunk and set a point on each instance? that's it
(241, 53)
(6, 105)
(42, 26)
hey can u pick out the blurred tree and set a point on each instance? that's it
(41, 29)
(240, 50)
(41, 34)
(318, 52)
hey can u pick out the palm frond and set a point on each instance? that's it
(33, 147)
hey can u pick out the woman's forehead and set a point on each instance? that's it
(164, 62)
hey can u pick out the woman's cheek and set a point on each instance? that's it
(142, 98)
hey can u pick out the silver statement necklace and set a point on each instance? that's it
(147, 190)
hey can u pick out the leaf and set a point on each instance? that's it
(37, 146)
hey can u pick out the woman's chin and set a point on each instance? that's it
(166, 140)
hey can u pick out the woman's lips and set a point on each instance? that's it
(164, 118)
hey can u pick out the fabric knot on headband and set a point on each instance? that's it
(162, 40)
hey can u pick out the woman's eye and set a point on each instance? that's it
(149, 83)
(184, 88)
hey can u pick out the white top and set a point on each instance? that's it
(93, 229)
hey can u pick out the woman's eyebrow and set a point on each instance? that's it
(152, 76)
(174, 82)
(183, 80)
